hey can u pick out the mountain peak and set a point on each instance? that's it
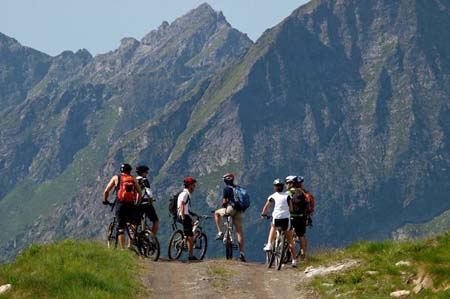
(204, 16)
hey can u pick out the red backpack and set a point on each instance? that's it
(126, 191)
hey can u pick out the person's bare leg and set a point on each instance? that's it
(155, 227)
(190, 245)
(291, 243)
(218, 220)
(121, 237)
(271, 234)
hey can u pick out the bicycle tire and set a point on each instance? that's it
(176, 244)
(149, 245)
(270, 257)
(200, 246)
(281, 249)
(287, 253)
(111, 235)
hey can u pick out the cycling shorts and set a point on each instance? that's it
(284, 223)
(149, 211)
(187, 225)
(299, 224)
(125, 212)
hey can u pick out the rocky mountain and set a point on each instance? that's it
(354, 95)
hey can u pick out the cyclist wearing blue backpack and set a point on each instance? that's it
(235, 202)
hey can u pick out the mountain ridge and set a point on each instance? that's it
(351, 94)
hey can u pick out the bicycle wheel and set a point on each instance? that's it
(287, 253)
(270, 257)
(200, 246)
(280, 252)
(149, 245)
(176, 244)
(111, 235)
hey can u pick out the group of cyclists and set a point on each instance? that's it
(134, 198)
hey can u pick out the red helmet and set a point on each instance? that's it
(189, 180)
(228, 177)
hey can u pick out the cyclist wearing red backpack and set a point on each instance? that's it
(128, 195)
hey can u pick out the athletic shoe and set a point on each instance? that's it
(219, 236)
(192, 258)
(242, 257)
(268, 247)
(294, 263)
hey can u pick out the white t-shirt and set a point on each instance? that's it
(146, 191)
(183, 197)
(281, 209)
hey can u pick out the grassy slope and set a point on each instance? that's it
(72, 269)
(430, 256)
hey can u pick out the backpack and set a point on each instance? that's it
(312, 202)
(299, 201)
(241, 199)
(173, 205)
(125, 189)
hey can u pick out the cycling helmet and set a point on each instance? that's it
(229, 177)
(125, 168)
(278, 182)
(141, 169)
(300, 179)
(291, 179)
(189, 180)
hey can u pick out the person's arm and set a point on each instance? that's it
(139, 192)
(182, 210)
(291, 207)
(112, 183)
(266, 208)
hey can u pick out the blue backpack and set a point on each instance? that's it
(241, 199)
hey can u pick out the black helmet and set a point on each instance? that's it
(125, 168)
(141, 169)
(278, 182)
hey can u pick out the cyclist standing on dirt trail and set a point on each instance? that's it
(303, 203)
(237, 216)
(183, 205)
(147, 199)
(281, 216)
(128, 196)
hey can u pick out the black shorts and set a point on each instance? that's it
(284, 224)
(299, 224)
(125, 212)
(187, 225)
(149, 211)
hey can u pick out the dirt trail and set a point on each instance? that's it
(223, 279)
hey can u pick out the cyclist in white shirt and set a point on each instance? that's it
(183, 204)
(281, 216)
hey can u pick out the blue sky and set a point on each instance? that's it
(52, 26)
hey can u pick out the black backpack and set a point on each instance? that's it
(299, 202)
(173, 205)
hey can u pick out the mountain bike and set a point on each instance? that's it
(228, 237)
(178, 240)
(144, 241)
(279, 247)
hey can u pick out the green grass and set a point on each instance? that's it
(72, 269)
(431, 256)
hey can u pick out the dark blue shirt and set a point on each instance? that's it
(228, 193)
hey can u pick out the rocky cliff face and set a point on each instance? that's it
(354, 95)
